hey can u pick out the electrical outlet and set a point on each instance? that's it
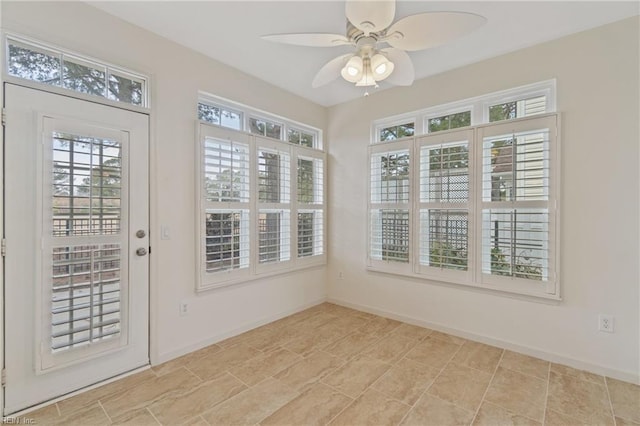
(184, 309)
(605, 323)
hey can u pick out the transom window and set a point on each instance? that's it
(220, 116)
(397, 131)
(54, 67)
(224, 113)
(517, 109)
(265, 128)
(449, 121)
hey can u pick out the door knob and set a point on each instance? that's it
(141, 233)
(141, 251)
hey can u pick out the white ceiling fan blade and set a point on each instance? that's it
(309, 39)
(330, 71)
(371, 16)
(403, 73)
(431, 29)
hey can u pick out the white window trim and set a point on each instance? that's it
(475, 278)
(247, 111)
(47, 48)
(209, 281)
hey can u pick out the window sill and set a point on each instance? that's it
(247, 277)
(508, 287)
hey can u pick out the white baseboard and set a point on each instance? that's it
(626, 376)
(168, 356)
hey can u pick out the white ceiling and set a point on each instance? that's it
(229, 31)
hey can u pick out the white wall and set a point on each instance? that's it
(177, 74)
(597, 93)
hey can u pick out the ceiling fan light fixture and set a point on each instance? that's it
(352, 71)
(381, 66)
(368, 79)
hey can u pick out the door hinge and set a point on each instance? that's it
(4, 377)
(4, 116)
(4, 247)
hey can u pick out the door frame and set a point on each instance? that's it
(152, 220)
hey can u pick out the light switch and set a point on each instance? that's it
(165, 233)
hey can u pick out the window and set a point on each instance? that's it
(517, 216)
(475, 206)
(310, 204)
(300, 137)
(261, 204)
(449, 121)
(517, 108)
(389, 200)
(396, 132)
(46, 65)
(219, 115)
(274, 209)
(226, 175)
(444, 204)
(265, 128)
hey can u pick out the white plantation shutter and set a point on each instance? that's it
(518, 206)
(444, 204)
(310, 204)
(261, 204)
(274, 204)
(389, 206)
(224, 208)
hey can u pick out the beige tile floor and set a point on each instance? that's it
(338, 366)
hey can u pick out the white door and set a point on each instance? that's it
(76, 226)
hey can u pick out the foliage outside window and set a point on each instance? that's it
(266, 128)
(220, 116)
(449, 121)
(397, 132)
(518, 108)
(300, 137)
(224, 113)
(55, 68)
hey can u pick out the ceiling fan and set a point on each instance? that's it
(370, 29)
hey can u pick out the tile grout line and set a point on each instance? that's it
(484, 395)
(58, 410)
(204, 420)
(105, 412)
(546, 396)
(192, 373)
(606, 386)
(432, 382)
(153, 415)
(361, 353)
(241, 381)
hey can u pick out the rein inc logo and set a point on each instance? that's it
(18, 421)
